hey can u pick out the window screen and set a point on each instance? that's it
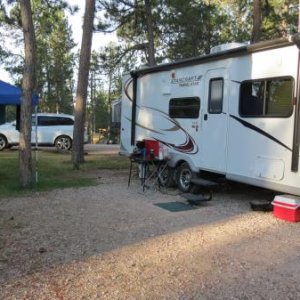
(184, 108)
(270, 97)
(215, 101)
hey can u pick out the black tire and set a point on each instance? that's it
(3, 142)
(184, 176)
(63, 143)
(166, 176)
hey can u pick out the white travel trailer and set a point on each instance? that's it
(234, 112)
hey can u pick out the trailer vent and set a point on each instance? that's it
(228, 46)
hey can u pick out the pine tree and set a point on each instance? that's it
(82, 84)
(28, 84)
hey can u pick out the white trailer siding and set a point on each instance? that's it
(254, 157)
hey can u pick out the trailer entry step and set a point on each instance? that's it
(204, 182)
(196, 199)
(174, 206)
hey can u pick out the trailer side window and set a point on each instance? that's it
(215, 100)
(184, 108)
(267, 98)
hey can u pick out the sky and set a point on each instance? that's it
(75, 21)
(99, 39)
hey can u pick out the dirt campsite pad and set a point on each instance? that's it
(113, 242)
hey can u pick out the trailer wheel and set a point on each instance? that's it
(184, 176)
(166, 176)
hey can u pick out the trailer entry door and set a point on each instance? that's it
(214, 120)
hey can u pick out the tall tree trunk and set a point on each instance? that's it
(28, 84)
(257, 21)
(150, 33)
(82, 84)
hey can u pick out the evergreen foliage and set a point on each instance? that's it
(55, 61)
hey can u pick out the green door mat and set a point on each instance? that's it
(175, 206)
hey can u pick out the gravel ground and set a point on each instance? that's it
(112, 242)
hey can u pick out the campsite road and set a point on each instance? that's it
(113, 242)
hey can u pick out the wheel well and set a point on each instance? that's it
(62, 135)
(4, 137)
(180, 162)
(194, 169)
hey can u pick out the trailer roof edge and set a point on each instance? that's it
(239, 51)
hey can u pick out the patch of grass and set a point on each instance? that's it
(54, 170)
(105, 161)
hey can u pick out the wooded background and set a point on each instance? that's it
(149, 32)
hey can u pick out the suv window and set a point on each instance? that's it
(267, 98)
(54, 121)
(184, 108)
(65, 121)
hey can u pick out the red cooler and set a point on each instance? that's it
(287, 207)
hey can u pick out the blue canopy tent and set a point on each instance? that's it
(11, 95)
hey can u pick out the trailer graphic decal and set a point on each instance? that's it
(127, 84)
(144, 127)
(189, 146)
(260, 131)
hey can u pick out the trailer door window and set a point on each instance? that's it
(215, 101)
(267, 98)
(184, 108)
